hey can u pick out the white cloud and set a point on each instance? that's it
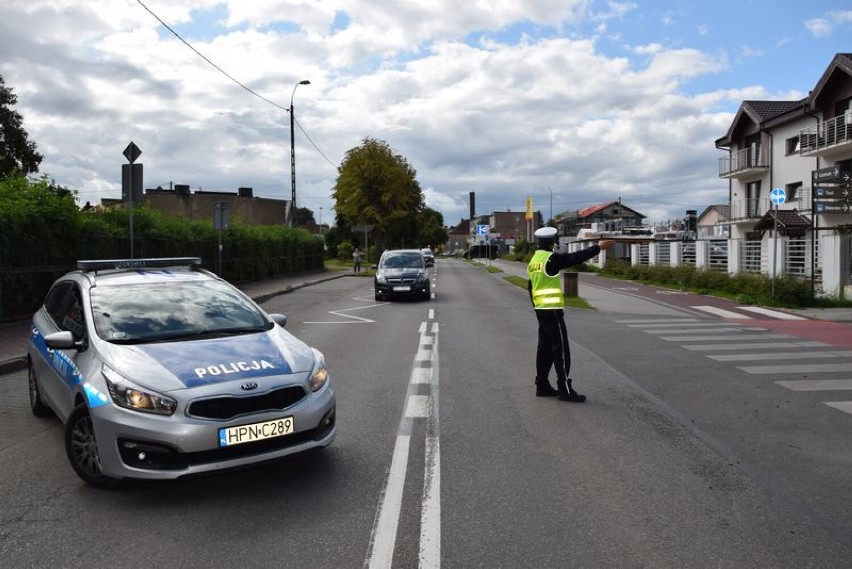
(503, 98)
(826, 26)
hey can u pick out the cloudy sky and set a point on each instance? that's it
(572, 102)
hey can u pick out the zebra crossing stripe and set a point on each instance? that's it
(754, 346)
(733, 334)
(773, 313)
(817, 384)
(811, 368)
(728, 314)
(845, 406)
(733, 337)
(718, 330)
(780, 356)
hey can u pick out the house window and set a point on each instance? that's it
(753, 145)
(793, 190)
(753, 199)
(793, 145)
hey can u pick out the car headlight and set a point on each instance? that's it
(126, 394)
(381, 279)
(319, 375)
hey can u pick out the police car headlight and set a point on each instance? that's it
(319, 375)
(125, 394)
(381, 279)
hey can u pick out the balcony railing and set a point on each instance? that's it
(743, 163)
(750, 208)
(827, 136)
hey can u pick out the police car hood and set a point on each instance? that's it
(167, 366)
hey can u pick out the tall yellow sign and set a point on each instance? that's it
(529, 214)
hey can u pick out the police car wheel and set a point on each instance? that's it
(81, 446)
(37, 406)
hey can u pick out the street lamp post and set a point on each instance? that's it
(293, 152)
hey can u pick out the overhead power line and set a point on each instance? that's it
(204, 57)
(229, 76)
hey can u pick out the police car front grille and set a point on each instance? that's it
(223, 408)
(399, 281)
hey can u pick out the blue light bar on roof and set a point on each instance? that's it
(102, 264)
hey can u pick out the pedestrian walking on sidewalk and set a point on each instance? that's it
(548, 302)
(356, 257)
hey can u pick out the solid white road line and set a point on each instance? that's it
(430, 514)
(417, 406)
(384, 536)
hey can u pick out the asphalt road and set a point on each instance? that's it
(689, 453)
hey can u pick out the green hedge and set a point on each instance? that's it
(43, 234)
(749, 288)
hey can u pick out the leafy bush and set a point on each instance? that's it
(748, 288)
(43, 233)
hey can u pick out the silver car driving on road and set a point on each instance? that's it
(160, 369)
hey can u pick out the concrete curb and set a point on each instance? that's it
(13, 365)
(263, 297)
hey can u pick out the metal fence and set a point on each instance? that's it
(23, 286)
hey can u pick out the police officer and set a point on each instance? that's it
(548, 301)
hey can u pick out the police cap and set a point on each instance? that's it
(546, 233)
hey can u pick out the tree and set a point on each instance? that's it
(379, 188)
(430, 225)
(16, 152)
(303, 216)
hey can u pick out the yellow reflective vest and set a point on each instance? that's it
(546, 289)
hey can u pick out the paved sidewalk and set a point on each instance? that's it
(14, 336)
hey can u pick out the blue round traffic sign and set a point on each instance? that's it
(778, 196)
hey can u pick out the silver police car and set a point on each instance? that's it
(159, 369)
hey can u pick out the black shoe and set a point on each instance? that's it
(545, 390)
(572, 396)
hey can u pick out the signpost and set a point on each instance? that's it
(777, 196)
(221, 211)
(131, 183)
(366, 229)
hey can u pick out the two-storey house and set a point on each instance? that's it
(804, 148)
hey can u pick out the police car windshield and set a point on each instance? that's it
(138, 313)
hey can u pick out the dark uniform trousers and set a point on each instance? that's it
(553, 349)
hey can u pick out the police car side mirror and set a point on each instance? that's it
(64, 340)
(279, 319)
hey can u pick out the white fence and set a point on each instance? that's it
(797, 257)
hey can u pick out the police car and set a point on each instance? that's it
(160, 369)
